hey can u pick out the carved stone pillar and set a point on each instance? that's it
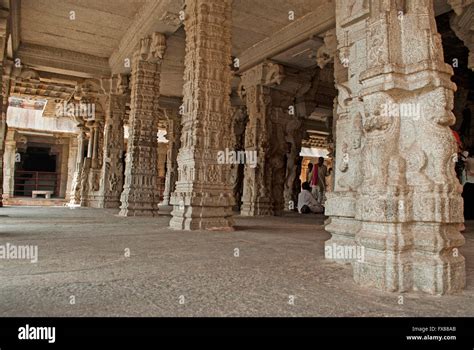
(203, 195)
(9, 164)
(112, 173)
(398, 93)
(90, 144)
(71, 165)
(5, 71)
(75, 192)
(140, 195)
(240, 120)
(255, 90)
(95, 129)
(62, 165)
(270, 92)
(293, 138)
(93, 171)
(174, 142)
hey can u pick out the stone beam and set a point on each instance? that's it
(319, 21)
(155, 16)
(15, 6)
(317, 125)
(170, 102)
(61, 61)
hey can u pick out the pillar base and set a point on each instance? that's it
(138, 212)
(411, 257)
(257, 209)
(201, 212)
(200, 223)
(109, 203)
(343, 231)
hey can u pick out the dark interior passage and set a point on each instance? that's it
(35, 170)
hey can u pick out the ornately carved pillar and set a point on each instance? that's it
(92, 169)
(140, 196)
(400, 95)
(71, 165)
(239, 123)
(174, 142)
(203, 195)
(340, 203)
(75, 192)
(5, 69)
(112, 173)
(255, 90)
(9, 164)
(294, 138)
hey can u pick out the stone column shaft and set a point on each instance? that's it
(64, 167)
(203, 195)
(398, 97)
(5, 72)
(269, 120)
(9, 165)
(256, 198)
(112, 172)
(90, 145)
(75, 191)
(140, 196)
(174, 136)
(95, 143)
(71, 167)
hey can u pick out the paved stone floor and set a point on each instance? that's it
(81, 253)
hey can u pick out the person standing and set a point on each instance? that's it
(309, 173)
(318, 181)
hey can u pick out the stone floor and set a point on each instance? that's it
(82, 254)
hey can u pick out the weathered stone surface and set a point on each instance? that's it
(112, 176)
(174, 142)
(279, 257)
(408, 203)
(393, 192)
(203, 195)
(140, 196)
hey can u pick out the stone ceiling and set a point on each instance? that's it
(96, 38)
(95, 27)
(90, 38)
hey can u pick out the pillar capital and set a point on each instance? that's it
(151, 48)
(328, 50)
(265, 74)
